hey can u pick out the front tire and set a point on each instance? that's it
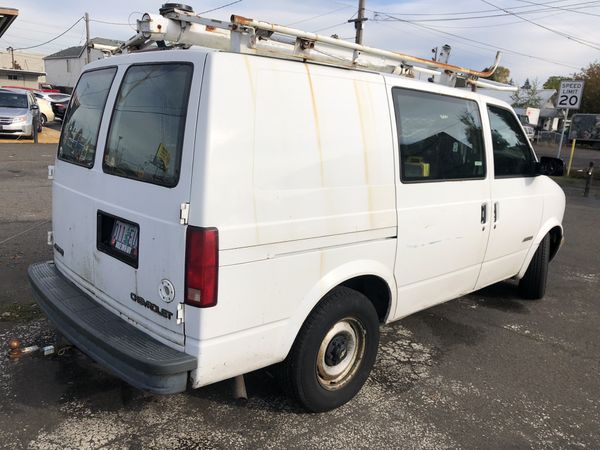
(533, 285)
(43, 120)
(334, 351)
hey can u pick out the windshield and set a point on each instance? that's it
(12, 100)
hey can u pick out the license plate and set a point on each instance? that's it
(124, 238)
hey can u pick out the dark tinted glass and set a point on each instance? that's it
(146, 132)
(82, 122)
(512, 155)
(440, 137)
(13, 100)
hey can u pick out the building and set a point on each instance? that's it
(7, 17)
(63, 68)
(18, 69)
(20, 78)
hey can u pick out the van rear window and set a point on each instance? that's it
(146, 132)
(82, 122)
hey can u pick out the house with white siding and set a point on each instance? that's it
(63, 68)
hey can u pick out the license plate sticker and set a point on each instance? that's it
(124, 238)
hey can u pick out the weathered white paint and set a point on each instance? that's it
(296, 166)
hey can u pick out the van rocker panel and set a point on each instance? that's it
(132, 355)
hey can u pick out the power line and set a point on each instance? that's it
(505, 13)
(552, 30)
(491, 25)
(480, 11)
(514, 52)
(220, 7)
(318, 16)
(109, 23)
(54, 38)
(587, 13)
(330, 26)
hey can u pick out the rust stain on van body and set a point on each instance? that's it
(316, 121)
(365, 117)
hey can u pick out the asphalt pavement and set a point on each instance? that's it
(488, 370)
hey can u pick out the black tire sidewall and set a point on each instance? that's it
(342, 304)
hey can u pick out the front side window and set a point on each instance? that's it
(82, 121)
(512, 155)
(145, 139)
(440, 137)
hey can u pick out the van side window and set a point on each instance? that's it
(145, 138)
(82, 121)
(440, 137)
(512, 155)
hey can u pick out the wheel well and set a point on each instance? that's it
(375, 289)
(555, 240)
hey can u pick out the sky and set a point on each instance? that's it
(538, 38)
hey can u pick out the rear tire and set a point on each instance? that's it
(43, 120)
(334, 351)
(533, 285)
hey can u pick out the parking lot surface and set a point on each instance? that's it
(488, 370)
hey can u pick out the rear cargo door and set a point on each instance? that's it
(117, 201)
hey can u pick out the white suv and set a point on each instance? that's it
(215, 213)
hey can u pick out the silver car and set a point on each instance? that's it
(18, 108)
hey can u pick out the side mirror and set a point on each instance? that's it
(35, 107)
(550, 166)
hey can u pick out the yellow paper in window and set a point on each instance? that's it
(163, 155)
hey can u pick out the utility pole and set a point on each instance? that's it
(358, 22)
(12, 56)
(87, 38)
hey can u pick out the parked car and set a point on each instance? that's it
(18, 108)
(59, 108)
(218, 212)
(51, 97)
(46, 113)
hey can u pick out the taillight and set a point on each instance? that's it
(201, 266)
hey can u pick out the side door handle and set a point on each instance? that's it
(496, 212)
(484, 207)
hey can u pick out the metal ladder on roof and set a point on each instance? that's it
(178, 25)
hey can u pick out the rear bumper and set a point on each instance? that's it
(132, 355)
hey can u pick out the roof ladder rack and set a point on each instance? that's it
(179, 26)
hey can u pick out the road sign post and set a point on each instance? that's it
(571, 158)
(569, 97)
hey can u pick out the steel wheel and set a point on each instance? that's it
(334, 351)
(341, 353)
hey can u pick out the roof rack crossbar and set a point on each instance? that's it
(182, 27)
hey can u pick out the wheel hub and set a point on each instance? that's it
(337, 350)
(340, 353)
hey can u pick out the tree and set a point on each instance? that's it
(553, 82)
(590, 102)
(501, 74)
(527, 97)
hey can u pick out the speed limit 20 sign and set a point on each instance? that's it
(569, 95)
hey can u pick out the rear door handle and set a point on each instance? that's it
(484, 213)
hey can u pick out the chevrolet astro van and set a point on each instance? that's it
(215, 213)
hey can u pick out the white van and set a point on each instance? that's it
(215, 213)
